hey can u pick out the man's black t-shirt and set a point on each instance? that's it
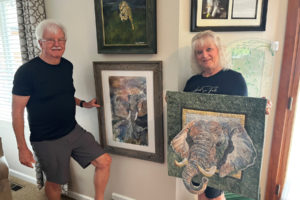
(51, 106)
(227, 82)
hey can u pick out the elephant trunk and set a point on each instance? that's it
(188, 173)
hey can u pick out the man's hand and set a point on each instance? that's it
(26, 157)
(92, 103)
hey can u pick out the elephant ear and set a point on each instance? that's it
(179, 143)
(241, 151)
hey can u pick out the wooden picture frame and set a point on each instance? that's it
(131, 114)
(228, 15)
(126, 27)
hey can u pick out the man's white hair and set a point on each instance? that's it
(50, 25)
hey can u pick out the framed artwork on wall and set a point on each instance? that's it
(216, 141)
(228, 15)
(126, 27)
(131, 116)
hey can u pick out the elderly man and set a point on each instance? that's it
(44, 85)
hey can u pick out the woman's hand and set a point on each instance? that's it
(268, 106)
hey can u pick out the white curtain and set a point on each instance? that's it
(291, 186)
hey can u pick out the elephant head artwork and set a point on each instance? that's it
(208, 146)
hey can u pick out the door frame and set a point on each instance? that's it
(286, 103)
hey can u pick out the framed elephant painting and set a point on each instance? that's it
(216, 141)
(130, 116)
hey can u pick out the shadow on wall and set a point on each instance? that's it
(184, 69)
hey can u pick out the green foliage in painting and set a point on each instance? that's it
(126, 31)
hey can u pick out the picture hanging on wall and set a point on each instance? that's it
(130, 116)
(228, 15)
(216, 141)
(126, 26)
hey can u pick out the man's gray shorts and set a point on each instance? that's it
(54, 155)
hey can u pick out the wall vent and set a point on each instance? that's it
(15, 187)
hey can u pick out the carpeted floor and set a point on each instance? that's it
(28, 191)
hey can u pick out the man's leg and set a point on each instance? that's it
(52, 190)
(54, 159)
(102, 164)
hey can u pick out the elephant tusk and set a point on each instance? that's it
(128, 117)
(182, 163)
(210, 172)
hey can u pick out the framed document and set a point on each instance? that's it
(228, 15)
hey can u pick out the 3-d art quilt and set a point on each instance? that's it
(216, 141)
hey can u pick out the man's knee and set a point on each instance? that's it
(102, 161)
(53, 186)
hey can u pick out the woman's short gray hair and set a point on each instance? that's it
(49, 25)
(199, 40)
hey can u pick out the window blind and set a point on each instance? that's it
(10, 55)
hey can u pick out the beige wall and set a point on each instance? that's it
(142, 180)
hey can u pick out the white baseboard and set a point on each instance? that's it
(78, 196)
(22, 176)
(116, 196)
(32, 180)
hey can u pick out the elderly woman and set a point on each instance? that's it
(213, 77)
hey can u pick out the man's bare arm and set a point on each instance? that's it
(18, 106)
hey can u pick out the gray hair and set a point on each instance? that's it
(199, 40)
(49, 25)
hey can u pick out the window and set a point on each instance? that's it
(10, 55)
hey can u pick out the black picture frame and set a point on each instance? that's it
(116, 81)
(126, 27)
(226, 19)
